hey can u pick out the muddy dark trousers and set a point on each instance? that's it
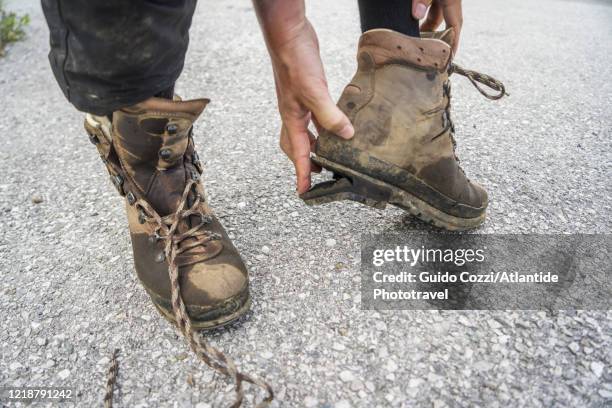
(108, 54)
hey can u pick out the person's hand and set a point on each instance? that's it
(439, 10)
(301, 86)
(303, 97)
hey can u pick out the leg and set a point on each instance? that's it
(394, 15)
(110, 58)
(110, 54)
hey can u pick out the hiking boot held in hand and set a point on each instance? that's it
(403, 151)
(149, 152)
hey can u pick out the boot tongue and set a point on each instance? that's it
(165, 196)
(167, 190)
(153, 142)
(157, 152)
(447, 36)
(170, 122)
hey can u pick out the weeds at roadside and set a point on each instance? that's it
(11, 27)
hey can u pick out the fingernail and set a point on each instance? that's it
(420, 11)
(347, 132)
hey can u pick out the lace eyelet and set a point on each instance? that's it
(93, 138)
(165, 154)
(160, 257)
(117, 181)
(153, 238)
(172, 128)
(142, 217)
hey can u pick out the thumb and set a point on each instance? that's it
(434, 18)
(331, 118)
(419, 8)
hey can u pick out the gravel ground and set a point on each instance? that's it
(69, 295)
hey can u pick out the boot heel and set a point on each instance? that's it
(347, 188)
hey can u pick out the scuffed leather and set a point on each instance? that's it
(396, 102)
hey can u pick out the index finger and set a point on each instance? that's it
(295, 142)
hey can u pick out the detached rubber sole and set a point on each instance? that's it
(349, 184)
(231, 310)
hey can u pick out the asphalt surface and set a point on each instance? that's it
(69, 295)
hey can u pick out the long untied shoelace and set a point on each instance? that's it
(166, 230)
(475, 78)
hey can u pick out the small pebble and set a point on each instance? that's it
(330, 242)
(15, 366)
(310, 402)
(338, 347)
(342, 404)
(346, 376)
(64, 374)
(597, 368)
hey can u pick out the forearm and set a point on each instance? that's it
(281, 22)
(300, 82)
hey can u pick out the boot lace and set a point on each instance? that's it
(475, 78)
(166, 229)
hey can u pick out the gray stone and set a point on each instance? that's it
(64, 374)
(346, 376)
(310, 402)
(342, 404)
(597, 368)
(330, 242)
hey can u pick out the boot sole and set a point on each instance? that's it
(231, 310)
(349, 184)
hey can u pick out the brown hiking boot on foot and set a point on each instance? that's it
(149, 152)
(403, 151)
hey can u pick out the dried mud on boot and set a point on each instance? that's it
(403, 151)
(350, 185)
(182, 254)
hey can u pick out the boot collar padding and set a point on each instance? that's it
(164, 107)
(448, 35)
(388, 47)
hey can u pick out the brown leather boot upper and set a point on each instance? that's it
(152, 161)
(399, 104)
